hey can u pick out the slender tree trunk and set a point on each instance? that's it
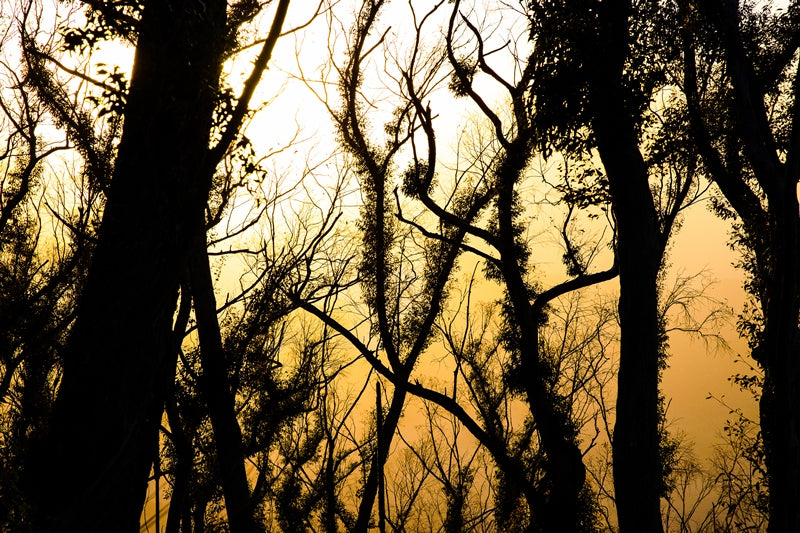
(566, 474)
(181, 438)
(389, 426)
(565, 471)
(379, 460)
(218, 395)
(779, 355)
(636, 439)
(329, 487)
(89, 471)
(182, 471)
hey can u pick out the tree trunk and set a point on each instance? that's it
(218, 396)
(389, 426)
(778, 268)
(636, 439)
(779, 355)
(565, 472)
(89, 471)
(182, 470)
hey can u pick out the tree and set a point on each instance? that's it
(283, 405)
(276, 383)
(97, 448)
(604, 63)
(119, 358)
(405, 305)
(41, 268)
(742, 503)
(752, 157)
(489, 196)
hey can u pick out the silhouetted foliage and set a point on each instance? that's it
(412, 343)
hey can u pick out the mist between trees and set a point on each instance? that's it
(420, 282)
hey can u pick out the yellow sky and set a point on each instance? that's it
(695, 371)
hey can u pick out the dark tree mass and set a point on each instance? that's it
(439, 297)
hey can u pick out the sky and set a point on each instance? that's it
(293, 111)
(696, 370)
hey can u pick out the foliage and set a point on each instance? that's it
(513, 374)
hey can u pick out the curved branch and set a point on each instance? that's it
(499, 453)
(467, 86)
(482, 57)
(756, 133)
(443, 238)
(426, 121)
(733, 187)
(574, 284)
(237, 117)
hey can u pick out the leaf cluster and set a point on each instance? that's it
(114, 94)
(105, 21)
(566, 36)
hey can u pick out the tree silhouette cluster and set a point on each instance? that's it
(394, 355)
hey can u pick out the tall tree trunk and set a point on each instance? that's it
(778, 260)
(779, 355)
(389, 426)
(566, 474)
(636, 440)
(89, 471)
(218, 395)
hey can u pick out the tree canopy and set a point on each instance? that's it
(358, 265)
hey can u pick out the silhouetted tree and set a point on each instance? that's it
(97, 449)
(599, 67)
(118, 347)
(488, 193)
(751, 152)
(46, 236)
(404, 307)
